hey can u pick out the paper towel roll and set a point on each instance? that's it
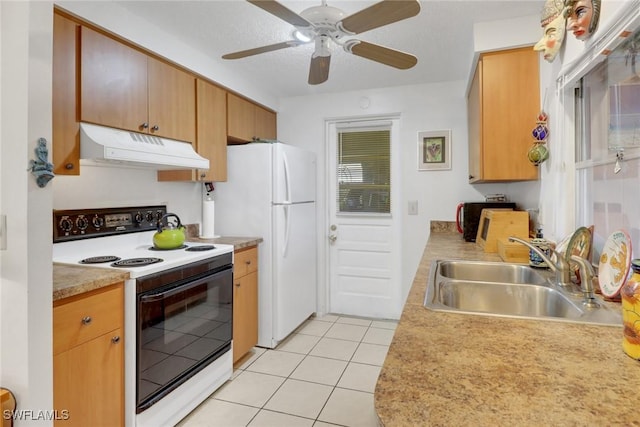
(208, 219)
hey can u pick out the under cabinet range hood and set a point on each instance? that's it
(109, 146)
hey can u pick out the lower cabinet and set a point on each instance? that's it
(88, 358)
(245, 301)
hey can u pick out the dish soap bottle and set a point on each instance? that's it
(539, 242)
(630, 293)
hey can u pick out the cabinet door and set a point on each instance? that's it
(510, 105)
(113, 82)
(240, 119)
(88, 382)
(65, 142)
(79, 319)
(265, 124)
(212, 130)
(172, 102)
(245, 314)
(211, 136)
(245, 261)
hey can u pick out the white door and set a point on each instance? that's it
(363, 230)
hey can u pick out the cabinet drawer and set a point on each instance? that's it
(78, 320)
(246, 261)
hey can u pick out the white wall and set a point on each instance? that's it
(25, 267)
(441, 106)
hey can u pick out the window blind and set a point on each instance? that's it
(364, 170)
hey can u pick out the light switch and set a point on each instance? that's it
(413, 207)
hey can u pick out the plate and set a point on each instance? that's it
(579, 244)
(615, 263)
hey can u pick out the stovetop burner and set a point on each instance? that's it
(99, 259)
(136, 262)
(200, 248)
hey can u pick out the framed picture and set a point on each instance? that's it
(434, 150)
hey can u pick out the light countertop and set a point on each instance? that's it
(453, 369)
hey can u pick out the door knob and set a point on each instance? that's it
(332, 237)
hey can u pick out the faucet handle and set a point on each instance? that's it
(587, 278)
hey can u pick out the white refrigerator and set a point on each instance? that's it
(270, 192)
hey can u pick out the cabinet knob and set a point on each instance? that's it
(237, 285)
(86, 320)
(155, 128)
(115, 339)
(68, 166)
(145, 125)
(203, 175)
(248, 262)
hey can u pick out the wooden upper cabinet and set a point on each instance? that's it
(113, 83)
(503, 104)
(265, 123)
(66, 136)
(211, 136)
(122, 87)
(212, 130)
(172, 101)
(247, 121)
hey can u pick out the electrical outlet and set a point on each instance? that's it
(413, 207)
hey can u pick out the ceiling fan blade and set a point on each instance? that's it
(383, 55)
(381, 13)
(263, 49)
(276, 9)
(319, 70)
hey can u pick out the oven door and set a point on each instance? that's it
(181, 329)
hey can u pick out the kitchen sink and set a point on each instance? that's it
(508, 290)
(490, 272)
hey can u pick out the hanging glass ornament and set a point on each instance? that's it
(538, 152)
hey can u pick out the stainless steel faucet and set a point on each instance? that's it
(586, 281)
(560, 267)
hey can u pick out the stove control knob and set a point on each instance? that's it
(137, 218)
(159, 215)
(65, 224)
(82, 223)
(97, 222)
(149, 216)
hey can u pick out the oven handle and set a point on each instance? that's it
(157, 296)
(161, 295)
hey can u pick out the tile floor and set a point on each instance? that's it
(324, 374)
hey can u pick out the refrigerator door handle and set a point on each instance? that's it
(287, 184)
(287, 229)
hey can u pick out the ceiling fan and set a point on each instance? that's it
(325, 25)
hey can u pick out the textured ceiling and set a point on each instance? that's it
(440, 36)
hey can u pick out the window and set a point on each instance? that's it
(607, 153)
(364, 170)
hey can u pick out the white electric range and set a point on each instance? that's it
(178, 307)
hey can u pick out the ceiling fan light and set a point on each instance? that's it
(322, 47)
(298, 35)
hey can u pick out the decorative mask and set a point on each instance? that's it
(582, 17)
(553, 23)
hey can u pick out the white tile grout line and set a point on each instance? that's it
(262, 408)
